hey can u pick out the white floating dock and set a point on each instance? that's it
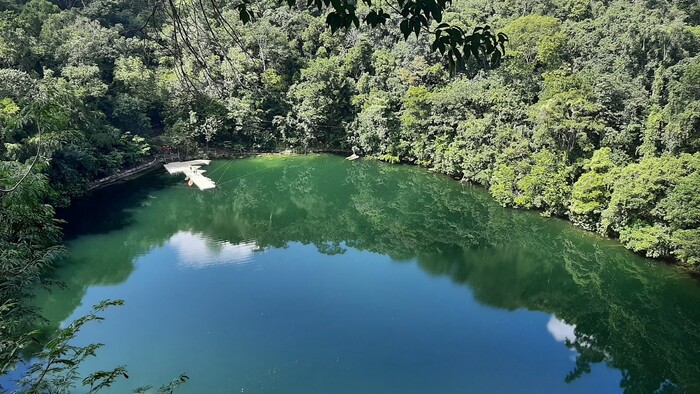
(192, 171)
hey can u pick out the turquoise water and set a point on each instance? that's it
(313, 274)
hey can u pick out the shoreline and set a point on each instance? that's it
(218, 154)
(221, 154)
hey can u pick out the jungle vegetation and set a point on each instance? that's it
(590, 111)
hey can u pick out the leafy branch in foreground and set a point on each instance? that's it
(167, 388)
(56, 370)
(13, 336)
(456, 44)
(414, 17)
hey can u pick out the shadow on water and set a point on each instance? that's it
(110, 208)
(630, 313)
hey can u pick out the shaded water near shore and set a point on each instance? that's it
(312, 274)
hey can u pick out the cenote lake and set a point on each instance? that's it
(313, 274)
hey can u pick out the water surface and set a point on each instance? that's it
(313, 274)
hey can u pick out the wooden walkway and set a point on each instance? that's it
(192, 171)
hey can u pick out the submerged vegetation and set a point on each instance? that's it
(593, 114)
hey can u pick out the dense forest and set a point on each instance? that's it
(593, 114)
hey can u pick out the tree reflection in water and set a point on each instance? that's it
(611, 306)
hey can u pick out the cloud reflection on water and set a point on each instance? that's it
(197, 251)
(560, 330)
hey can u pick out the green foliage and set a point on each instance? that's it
(389, 158)
(681, 209)
(566, 117)
(29, 238)
(545, 186)
(590, 194)
(84, 81)
(686, 245)
(648, 204)
(457, 44)
(129, 113)
(376, 126)
(320, 104)
(414, 123)
(8, 108)
(674, 127)
(56, 365)
(503, 184)
(54, 369)
(536, 42)
(682, 206)
(136, 79)
(651, 240)
(166, 388)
